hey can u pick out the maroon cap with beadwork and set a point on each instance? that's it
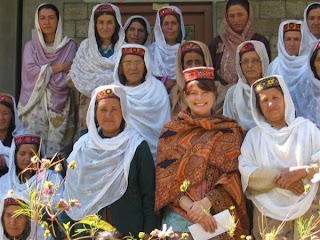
(133, 51)
(167, 11)
(12, 201)
(6, 98)
(197, 73)
(190, 47)
(265, 83)
(106, 93)
(292, 26)
(105, 8)
(27, 139)
(248, 47)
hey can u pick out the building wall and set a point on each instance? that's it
(76, 13)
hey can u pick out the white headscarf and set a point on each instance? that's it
(59, 41)
(311, 36)
(308, 94)
(24, 199)
(237, 101)
(101, 175)
(163, 56)
(148, 103)
(10, 180)
(89, 69)
(297, 144)
(149, 37)
(292, 68)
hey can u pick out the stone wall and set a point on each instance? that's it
(268, 15)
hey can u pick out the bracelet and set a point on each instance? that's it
(307, 172)
(164, 79)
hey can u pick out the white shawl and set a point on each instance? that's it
(298, 144)
(101, 175)
(163, 56)
(149, 37)
(148, 104)
(89, 69)
(237, 101)
(308, 95)
(291, 68)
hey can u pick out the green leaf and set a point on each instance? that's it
(95, 221)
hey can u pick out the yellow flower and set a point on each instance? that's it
(72, 164)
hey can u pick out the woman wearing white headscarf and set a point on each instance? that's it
(252, 61)
(169, 32)
(311, 17)
(308, 93)
(278, 156)
(10, 127)
(292, 56)
(94, 63)
(45, 105)
(138, 30)
(148, 103)
(114, 169)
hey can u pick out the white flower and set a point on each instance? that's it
(316, 178)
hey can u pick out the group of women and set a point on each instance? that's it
(152, 115)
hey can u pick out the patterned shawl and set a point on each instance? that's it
(231, 40)
(205, 152)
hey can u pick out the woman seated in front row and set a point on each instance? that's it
(279, 156)
(202, 147)
(115, 175)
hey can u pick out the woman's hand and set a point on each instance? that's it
(65, 67)
(291, 179)
(169, 84)
(2, 162)
(199, 213)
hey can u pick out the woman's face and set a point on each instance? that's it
(24, 155)
(292, 41)
(199, 101)
(48, 21)
(109, 116)
(237, 18)
(5, 117)
(133, 68)
(170, 28)
(313, 21)
(272, 105)
(317, 63)
(251, 66)
(106, 25)
(193, 59)
(136, 33)
(14, 226)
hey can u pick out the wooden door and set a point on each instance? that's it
(197, 17)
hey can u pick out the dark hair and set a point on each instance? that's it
(258, 99)
(242, 3)
(26, 231)
(204, 84)
(7, 141)
(312, 6)
(50, 6)
(312, 59)
(183, 54)
(142, 22)
(179, 38)
(115, 35)
(123, 78)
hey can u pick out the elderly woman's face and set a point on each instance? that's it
(193, 59)
(170, 28)
(48, 21)
(136, 33)
(251, 66)
(199, 101)
(237, 18)
(292, 41)
(272, 106)
(106, 25)
(5, 117)
(14, 226)
(24, 155)
(133, 68)
(313, 21)
(109, 116)
(317, 63)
